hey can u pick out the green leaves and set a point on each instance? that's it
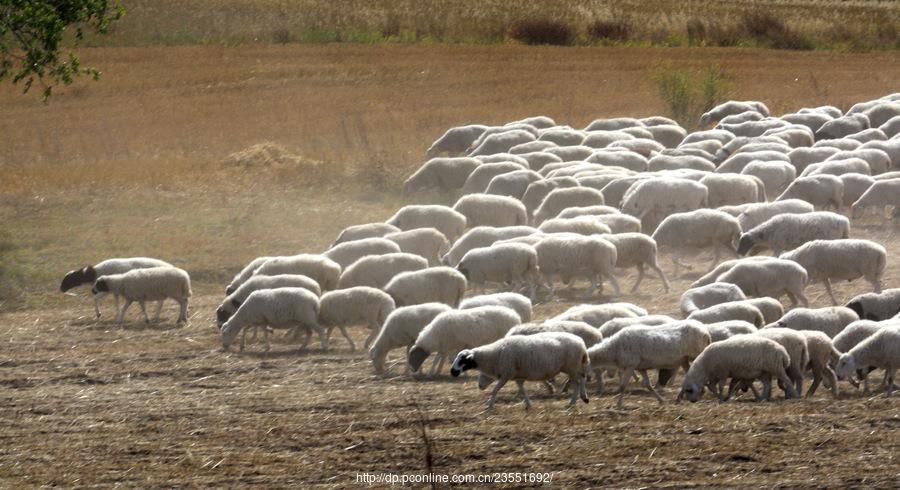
(33, 34)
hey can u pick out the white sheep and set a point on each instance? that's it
(483, 236)
(628, 160)
(776, 175)
(771, 308)
(571, 257)
(538, 159)
(514, 301)
(699, 228)
(512, 263)
(481, 177)
(245, 274)
(819, 190)
(585, 332)
(803, 157)
(846, 259)
(537, 191)
(593, 211)
(400, 329)
(599, 315)
(503, 158)
(613, 326)
(147, 284)
(612, 124)
(377, 270)
(538, 357)
(719, 331)
(532, 147)
(90, 273)
(730, 189)
(512, 184)
(855, 185)
(852, 335)
(876, 306)
(732, 310)
(431, 285)
(321, 269)
(830, 321)
(358, 232)
(502, 142)
(843, 126)
(637, 250)
(347, 253)
(582, 225)
(877, 160)
(653, 199)
(491, 210)
(890, 147)
(457, 330)
(675, 162)
(282, 308)
(428, 243)
(562, 136)
(539, 122)
(883, 193)
(755, 214)
(710, 277)
(443, 174)
(234, 300)
(789, 231)
(456, 140)
(880, 350)
(444, 219)
(354, 306)
(795, 344)
(560, 199)
(822, 355)
(729, 108)
(738, 162)
(769, 277)
(703, 297)
(838, 167)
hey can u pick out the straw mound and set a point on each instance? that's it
(268, 155)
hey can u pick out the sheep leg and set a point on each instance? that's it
(717, 254)
(144, 311)
(159, 311)
(831, 378)
(582, 387)
(347, 336)
(373, 330)
(306, 339)
(876, 284)
(830, 292)
(676, 265)
(182, 310)
(549, 385)
(523, 394)
(323, 339)
(889, 375)
(662, 276)
(244, 337)
(493, 399)
(436, 365)
(615, 282)
(623, 382)
(640, 277)
(598, 373)
(97, 305)
(787, 384)
(817, 378)
(733, 386)
(649, 386)
(266, 339)
(121, 319)
(767, 389)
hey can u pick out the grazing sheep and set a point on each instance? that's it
(560, 199)
(613, 326)
(843, 126)
(855, 185)
(659, 197)
(830, 320)
(755, 214)
(771, 308)
(571, 153)
(321, 269)
(738, 162)
(710, 277)
(601, 139)
(90, 273)
(876, 306)
(501, 142)
(776, 175)
(514, 301)
(456, 140)
(349, 252)
(532, 147)
(706, 296)
(585, 332)
(377, 270)
(353, 306)
(637, 250)
(593, 211)
(719, 331)
(882, 112)
(890, 147)
(846, 259)
(358, 232)
(789, 231)
(539, 122)
(730, 108)
(445, 220)
(537, 191)
(811, 120)
(538, 159)
(573, 257)
(795, 344)
(883, 193)
(675, 162)
(615, 191)
(512, 184)
(641, 348)
(732, 310)
(562, 136)
(582, 225)
(428, 243)
(700, 228)
(743, 357)
(599, 315)
(148, 284)
(803, 157)
(457, 330)
(628, 160)
(491, 210)
(877, 160)
(819, 190)
(613, 124)
(880, 350)
(838, 168)
(481, 177)
(730, 189)
(282, 308)
(503, 158)
(431, 285)
(769, 277)
(512, 263)
(443, 174)
(657, 121)
(234, 300)
(401, 328)
(483, 236)
(244, 275)
(752, 129)
(538, 357)
(822, 355)
(839, 144)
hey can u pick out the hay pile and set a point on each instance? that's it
(268, 155)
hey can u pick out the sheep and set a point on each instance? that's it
(537, 191)
(501, 142)
(819, 190)
(877, 160)
(539, 122)
(843, 126)
(347, 253)
(752, 128)
(513, 263)
(613, 326)
(637, 250)
(769, 277)
(503, 158)
(653, 199)
(771, 308)
(628, 160)
(491, 131)
(845, 259)
(789, 231)
(729, 108)
(671, 162)
(732, 310)
(891, 148)
(619, 223)
(514, 301)
(289, 308)
(377, 270)
(352, 306)
(483, 236)
(795, 135)
(851, 336)
(811, 120)
(719, 331)
(428, 243)
(891, 128)
(838, 167)
(743, 357)
(560, 199)
(443, 174)
(880, 350)
(593, 211)
(582, 225)
(876, 306)
(822, 355)
(657, 121)
(562, 136)
(512, 184)
(641, 348)
(776, 175)
(700, 228)
(830, 320)
(612, 124)
(588, 334)
(703, 297)
(845, 144)
(358, 232)
(571, 153)
(801, 158)
(456, 140)
(710, 277)
(532, 147)
(735, 210)
(445, 220)
(572, 257)
(431, 285)
(731, 189)
(882, 193)
(599, 315)
(481, 177)
(603, 138)
(521, 358)
(795, 344)
(321, 269)
(755, 214)
(147, 284)
(491, 210)
(866, 135)
(881, 113)
(538, 159)
(855, 185)
(828, 110)
(739, 118)
(457, 330)
(234, 300)
(400, 329)
(244, 274)
(707, 149)
(615, 190)
(89, 274)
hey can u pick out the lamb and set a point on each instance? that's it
(882, 193)
(771, 308)
(590, 335)
(90, 273)
(245, 274)
(642, 348)
(729, 189)
(401, 328)
(481, 177)
(353, 306)
(656, 198)
(637, 250)
(445, 220)
(598, 315)
(769, 277)
(789, 231)
(483, 236)
(702, 297)
(710, 277)
(876, 306)
(582, 225)
(842, 126)
(456, 140)
(795, 345)
(732, 310)
(830, 320)
(822, 355)
(743, 357)
(234, 300)
(321, 269)
(845, 259)
(347, 253)
(512, 184)
(358, 232)
(147, 284)
(431, 285)
(755, 214)
(377, 270)
(427, 243)
(776, 175)
(571, 257)
(538, 357)
(719, 331)
(443, 174)
(700, 228)
(513, 263)
(457, 330)
(560, 199)
(819, 190)
(289, 308)
(491, 210)
(880, 350)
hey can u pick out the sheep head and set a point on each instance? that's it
(464, 361)
(85, 275)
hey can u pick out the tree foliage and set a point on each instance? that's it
(35, 33)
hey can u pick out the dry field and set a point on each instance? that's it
(132, 166)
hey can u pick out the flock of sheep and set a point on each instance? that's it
(542, 204)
